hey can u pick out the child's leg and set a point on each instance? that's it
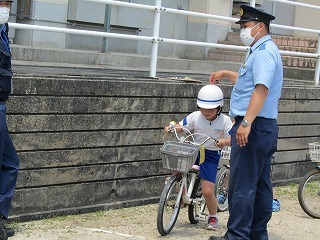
(209, 196)
(208, 172)
(211, 201)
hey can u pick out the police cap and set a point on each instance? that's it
(248, 13)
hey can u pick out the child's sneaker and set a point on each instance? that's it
(213, 224)
(276, 206)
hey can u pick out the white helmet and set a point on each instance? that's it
(209, 97)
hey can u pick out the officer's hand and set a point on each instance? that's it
(215, 77)
(242, 135)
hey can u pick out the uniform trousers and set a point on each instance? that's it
(9, 163)
(250, 188)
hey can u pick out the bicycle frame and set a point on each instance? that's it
(184, 188)
(187, 197)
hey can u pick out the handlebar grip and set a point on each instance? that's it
(172, 124)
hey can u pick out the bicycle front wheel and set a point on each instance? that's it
(197, 207)
(169, 205)
(309, 193)
(221, 188)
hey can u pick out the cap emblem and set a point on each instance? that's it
(241, 12)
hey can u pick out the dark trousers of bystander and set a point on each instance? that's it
(9, 163)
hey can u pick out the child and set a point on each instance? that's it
(209, 121)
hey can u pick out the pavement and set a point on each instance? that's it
(139, 223)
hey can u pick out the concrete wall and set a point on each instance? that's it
(305, 17)
(206, 30)
(87, 15)
(51, 13)
(89, 143)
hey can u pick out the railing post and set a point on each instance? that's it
(155, 42)
(317, 73)
(106, 27)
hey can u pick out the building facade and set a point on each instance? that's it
(87, 15)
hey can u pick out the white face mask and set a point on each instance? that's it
(4, 14)
(245, 35)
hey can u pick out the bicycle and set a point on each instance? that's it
(183, 188)
(309, 187)
(222, 181)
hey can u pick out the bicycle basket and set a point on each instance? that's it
(225, 153)
(178, 156)
(314, 151)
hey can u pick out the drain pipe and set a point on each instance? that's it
(317, 73)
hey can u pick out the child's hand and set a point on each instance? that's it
(167, 129)
(221, 143)
(224, 142)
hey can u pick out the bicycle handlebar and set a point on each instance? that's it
(173, 129)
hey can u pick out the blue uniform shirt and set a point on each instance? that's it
(263, 66)
(4, 40)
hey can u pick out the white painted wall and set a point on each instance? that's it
(58, 13)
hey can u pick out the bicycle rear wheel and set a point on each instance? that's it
(309, 193)
(221, 188)
(196, 209)
(169, 205)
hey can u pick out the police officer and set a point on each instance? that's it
(254, 106)
(9, 161)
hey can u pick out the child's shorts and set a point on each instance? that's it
(209, 168)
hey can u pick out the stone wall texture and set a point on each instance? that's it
(88, 144)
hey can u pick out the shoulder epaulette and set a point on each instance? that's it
(262, 47)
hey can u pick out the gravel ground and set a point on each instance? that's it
(138, 223)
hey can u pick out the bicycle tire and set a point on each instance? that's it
(309, 193)
(197, 208)
(221, 188)
(169, 205)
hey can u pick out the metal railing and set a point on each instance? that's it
(155, 39)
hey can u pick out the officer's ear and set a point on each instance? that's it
(265, 27)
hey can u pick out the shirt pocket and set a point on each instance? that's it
(244, 81)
